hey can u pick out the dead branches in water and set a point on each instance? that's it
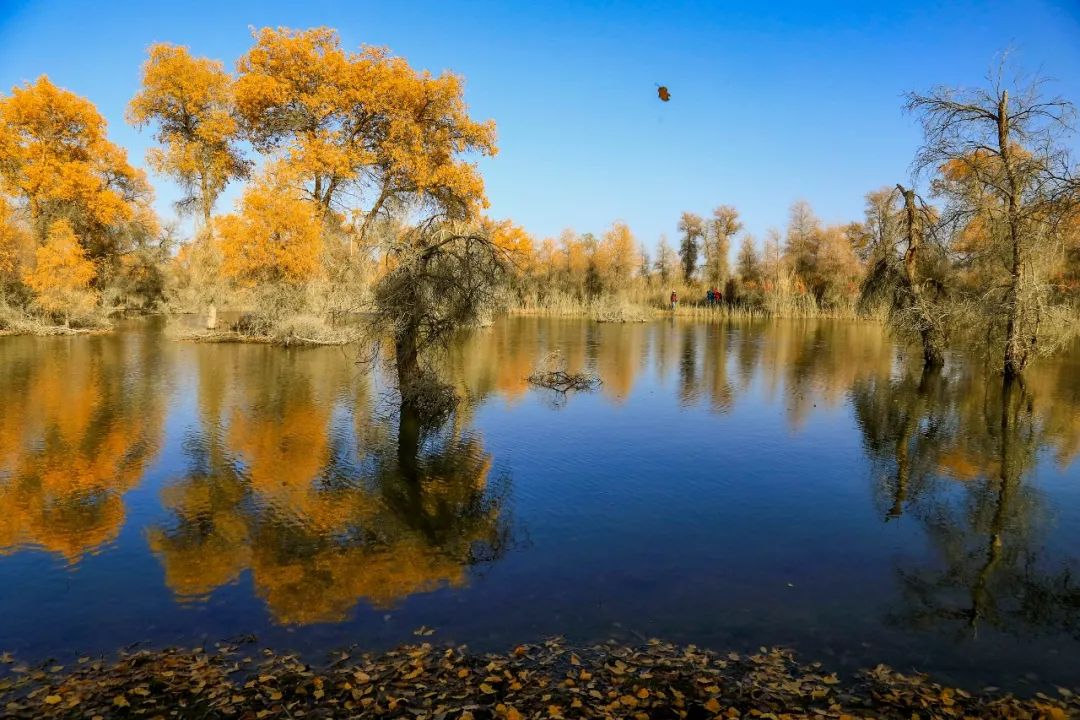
(553, 375)
(563, 381)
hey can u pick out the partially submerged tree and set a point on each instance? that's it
(906, 275)
(443, 276)
(1005, 179)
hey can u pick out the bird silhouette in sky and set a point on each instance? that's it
(662, 93)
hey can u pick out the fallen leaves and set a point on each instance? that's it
(657, 681)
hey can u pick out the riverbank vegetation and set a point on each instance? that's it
(548, 680)
(362, 217)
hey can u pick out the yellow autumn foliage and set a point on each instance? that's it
(365, 120)
(190, 100)
(616, 256)
(276, 236)
(62, 273)
(59, 162)
(14, 242)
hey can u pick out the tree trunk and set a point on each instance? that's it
(1015, 351)
(207, 238)
(408, 442)
(930, 331)
(407, 361)
(1016, 347)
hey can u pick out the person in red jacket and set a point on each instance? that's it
(674, 299)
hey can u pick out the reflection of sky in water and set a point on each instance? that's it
(795, 483)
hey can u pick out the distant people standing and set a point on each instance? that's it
(674, 300)
(709, 297)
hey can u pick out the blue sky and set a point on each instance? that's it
(769, 104)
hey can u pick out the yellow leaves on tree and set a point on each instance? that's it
(513, 240)
(58, 161)
(361, 125)
(276, 237)
(62, 274)
(13, 242)
(190, 101)
(616, 255)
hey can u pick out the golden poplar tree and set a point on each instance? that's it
(13, 242)
(59, 164)
(189, 99)
(62, 274)
(360, 124)
(276, 238)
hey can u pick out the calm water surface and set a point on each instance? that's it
(792, 483)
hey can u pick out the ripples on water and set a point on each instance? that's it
(793, 483)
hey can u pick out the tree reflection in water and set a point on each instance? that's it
(957, 452)
(325, 513)
(79, 424)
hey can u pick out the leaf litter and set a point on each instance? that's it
(655, 680)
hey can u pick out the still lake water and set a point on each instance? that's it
(792, 483)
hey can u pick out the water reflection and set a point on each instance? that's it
(958, 453)
(295, 476)
(801, 363)
(718, 489)
(79, 423)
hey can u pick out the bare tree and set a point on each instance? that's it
(692, 228)
(1005, 174)
(748, 263)
(444, 276)
(645, 266)
(665, 260)
(725, 224)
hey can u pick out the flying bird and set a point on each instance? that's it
(662, 93)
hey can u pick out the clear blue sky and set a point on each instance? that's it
(789, 100)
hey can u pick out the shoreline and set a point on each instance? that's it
(54, 331)
(641, 313)
(550, 680)
(232, 336)
(616, 315)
